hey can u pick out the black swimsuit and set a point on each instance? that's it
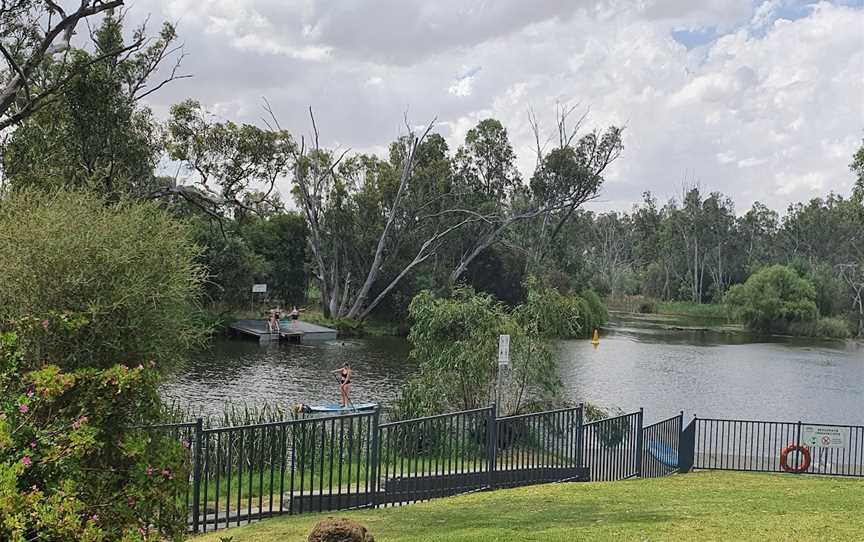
(344, 378)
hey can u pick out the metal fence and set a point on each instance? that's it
(537, 448)
(661, 447)
(756, 446)
(434, 456)
(612, 448)
(246, 473)
(252, 472)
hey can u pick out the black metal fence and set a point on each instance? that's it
(246, 473)
(661, 447)
(434, 456)
(757, 446)
(537, 448)
(612, 448)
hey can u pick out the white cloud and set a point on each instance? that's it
(768, 108)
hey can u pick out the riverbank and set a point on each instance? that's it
(688, 316)
(703, 505)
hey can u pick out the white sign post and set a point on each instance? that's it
(816, 436)
(503, 350)
(503, 363)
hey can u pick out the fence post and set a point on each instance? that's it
(376, 457)
(798, 442)
(580, 422)
(687, 446)
(196, 476)
(639, 442)
(491, 443)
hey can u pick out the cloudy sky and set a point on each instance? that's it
(760, 100)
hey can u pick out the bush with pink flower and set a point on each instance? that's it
(72, 465)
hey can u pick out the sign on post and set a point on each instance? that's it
(503, 350)
(259, 288)
(816, 436)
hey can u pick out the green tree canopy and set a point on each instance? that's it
(96, 134)
(773, 298)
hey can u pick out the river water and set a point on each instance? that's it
(638, 363)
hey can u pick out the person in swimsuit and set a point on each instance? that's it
(273, 320)
(295, 315)
(344, 383)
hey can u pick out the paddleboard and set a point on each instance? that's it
(335, 407)
(663, 453)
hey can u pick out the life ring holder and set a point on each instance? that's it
(784, 456)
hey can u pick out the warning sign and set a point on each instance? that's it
(817, 436)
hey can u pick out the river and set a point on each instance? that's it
(640, 362)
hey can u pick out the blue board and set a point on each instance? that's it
(335, 407)
(663, 453)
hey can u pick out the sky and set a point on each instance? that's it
(763, 101)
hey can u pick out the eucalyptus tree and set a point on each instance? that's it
(331, 190)
(232, 167)
(566, 177)
(96, 133)
(35, 42)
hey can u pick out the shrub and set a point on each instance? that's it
(831, 328)
(773, 298)
(71, 468)
(127, 270)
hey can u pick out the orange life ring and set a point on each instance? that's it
(784, 454)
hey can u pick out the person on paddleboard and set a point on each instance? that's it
(344, 375)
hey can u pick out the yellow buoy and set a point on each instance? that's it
(596, 340)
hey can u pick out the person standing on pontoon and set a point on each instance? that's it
(295, 315)
(273, 320)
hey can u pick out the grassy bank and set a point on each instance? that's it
(700, 506)
(694, 310)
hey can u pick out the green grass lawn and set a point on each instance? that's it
(699, 506)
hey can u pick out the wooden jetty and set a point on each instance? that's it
(296, 331)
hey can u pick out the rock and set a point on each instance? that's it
(339, 530)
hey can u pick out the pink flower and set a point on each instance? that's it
(30, 393)
(23, 409)
(167, 474)
(186, 444)
(26, 460)
(33, 445)
(149, 470)
(79, 422)
(140, 366)
(45, 324)
(95, 517)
